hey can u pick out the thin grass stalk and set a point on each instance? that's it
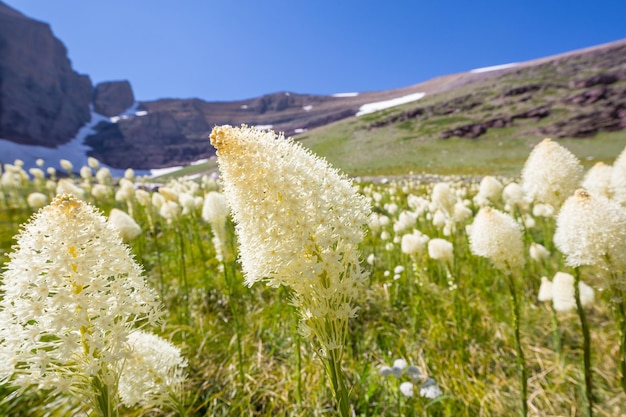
(521, 363)
(234, 301)
(586, 346)
(183, 271)
(621, 310)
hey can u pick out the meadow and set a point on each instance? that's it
(442, 327)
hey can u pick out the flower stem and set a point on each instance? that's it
(521, 363)
(586, 346)
(337, 378)
(104, 401)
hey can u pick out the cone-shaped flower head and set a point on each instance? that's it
(298, 221)
(598, 180)
(215, 211)
(441, 250)
(551, 174)
(126, 226)
(591, 230)
(563, 295)
(153, 373)
(618, 178)
(498, 237)
(72, 293)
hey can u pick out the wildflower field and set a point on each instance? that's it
(281, 288)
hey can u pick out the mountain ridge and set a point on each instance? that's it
(48, 104)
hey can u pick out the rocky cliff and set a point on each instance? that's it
(43, 101)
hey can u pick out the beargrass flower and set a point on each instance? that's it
(36, 200)
(299, 223)
(441, 250)
(72, 294)
(538, 252)
(618, 178)
(545, 290)
(66, 165)
(125, 225)
(430, 389)
(444, 198)
(563, 292)
(413, 243)
(496, 236)
(551, 173)
(591, 230)
(386, 371)
(489, 191)
(406, 388)
(153, 372)
(215, 212)
(67, 186)
(598, 180)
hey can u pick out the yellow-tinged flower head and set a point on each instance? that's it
(72, 293)
(591, 230)
(295, 215)
(496, 236)
(298, 221)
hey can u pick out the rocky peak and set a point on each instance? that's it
(113, 97)
(43, 101)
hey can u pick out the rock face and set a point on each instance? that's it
(112, 98)
(43, 101)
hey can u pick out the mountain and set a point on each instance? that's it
(42, 100)
(45, 104)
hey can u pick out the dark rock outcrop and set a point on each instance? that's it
(43, 101)
(113, 97)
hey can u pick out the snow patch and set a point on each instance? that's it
(308, 107)
(244, 106)
(299, 130)
(381, 105)
(345, 95)
(494, 67)
(264, 127)
(74, 151)
(157, 172)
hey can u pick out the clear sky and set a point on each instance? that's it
(222, 50)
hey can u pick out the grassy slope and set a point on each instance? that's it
(413, 146)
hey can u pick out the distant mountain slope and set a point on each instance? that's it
(484, 118)
(44, 102)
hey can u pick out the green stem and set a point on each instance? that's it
(231, 285)
(521, 363)
(299, 369)
(104, 401)
(337, 378)
(183, 272)
(586, 345)
(620, 309)
(556, 336)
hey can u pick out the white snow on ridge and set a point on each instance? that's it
(345, 95)
(308, 107)
(264, 127)
(494, 67)
(129, 112)
(381, 105)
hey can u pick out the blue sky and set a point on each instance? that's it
(238, 49)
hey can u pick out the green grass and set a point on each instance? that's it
(462, 338)
(390, 151)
